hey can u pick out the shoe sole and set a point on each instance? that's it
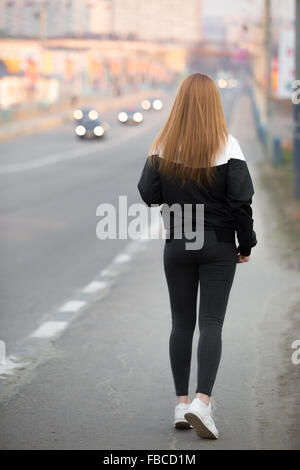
(182, 425)
(200, 428)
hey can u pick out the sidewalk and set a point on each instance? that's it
(277, 324)
(106, 382)
(13, 129)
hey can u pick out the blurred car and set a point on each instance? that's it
(90, 128)
(85, 113)
(226, 79)
(130, 116)
(152, 103)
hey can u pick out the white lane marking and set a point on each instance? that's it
(49, 160)
(94, 286)
(52, 328)
(72, 306)
(69, 155)
(10, 365)
(48, 329)
(122, 258)
(111, 271)
(2, 352)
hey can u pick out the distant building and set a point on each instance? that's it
(214, 29)
(100, 19)
(155, 20)
(53, 18)
(167, 20)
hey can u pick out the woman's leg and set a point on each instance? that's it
(215, 284)
(182, 279)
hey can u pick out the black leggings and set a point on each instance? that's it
(214, 266)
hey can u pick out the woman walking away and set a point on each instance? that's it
(194, 160)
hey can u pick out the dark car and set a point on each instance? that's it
(85, 113)
(130, 116)
(90, 128)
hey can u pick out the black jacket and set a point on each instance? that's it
(227, 205)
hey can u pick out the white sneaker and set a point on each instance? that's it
(180, 421)
(199, 415)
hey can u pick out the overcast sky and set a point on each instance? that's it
(251, 8)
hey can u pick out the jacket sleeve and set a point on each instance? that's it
(239, 196)
(149, 185)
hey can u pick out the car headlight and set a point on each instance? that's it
(80, 130)
(146, 105)
(157, 104)
(93, 114)
(138, 117)
(123, 116)
(232, 83)
(222, 83)
(98, 131)
(77, 114)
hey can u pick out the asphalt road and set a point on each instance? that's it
(48, 215)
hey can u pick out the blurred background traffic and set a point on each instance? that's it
(58, 54)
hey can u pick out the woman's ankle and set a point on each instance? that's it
(204, 398)
(182, 399)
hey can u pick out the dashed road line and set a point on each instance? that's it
(49, 329)
(94, 286)
(72, 306)
(28, 352)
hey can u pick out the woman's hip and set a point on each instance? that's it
(213, 249)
